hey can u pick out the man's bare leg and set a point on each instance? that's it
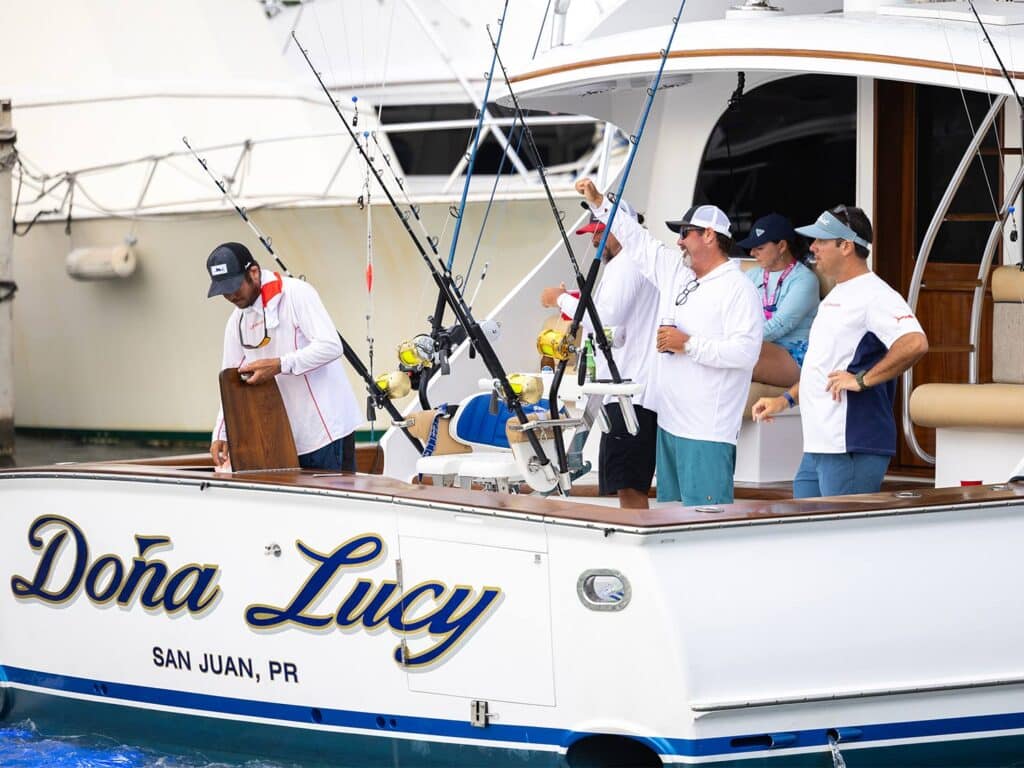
(630, 498)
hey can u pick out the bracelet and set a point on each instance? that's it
(789, 399)
(859, 378)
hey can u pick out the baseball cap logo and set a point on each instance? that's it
(218, 269)
(759, 231)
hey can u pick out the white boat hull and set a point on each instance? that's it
(895, 629)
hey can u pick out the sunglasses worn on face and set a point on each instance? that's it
(684, 294)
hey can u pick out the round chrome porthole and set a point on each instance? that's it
(603, 589)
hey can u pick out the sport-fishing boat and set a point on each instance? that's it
(370, 620)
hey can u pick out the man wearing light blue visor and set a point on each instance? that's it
(863, 337)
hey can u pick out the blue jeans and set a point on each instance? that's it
(839, 474)
(336, 457)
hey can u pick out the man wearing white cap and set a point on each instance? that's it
(710, 335)
(628, 303)
(862, 338)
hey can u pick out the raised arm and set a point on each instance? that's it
(647, 252)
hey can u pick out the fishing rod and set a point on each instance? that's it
(422, 356)
(442, 340)
(377, 396)
(586, 296)
(588, 288)
(443, 279)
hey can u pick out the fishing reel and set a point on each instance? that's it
(416, 353)
(395, 384)
(555, 344)
(528, 387)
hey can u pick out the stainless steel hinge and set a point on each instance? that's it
(479, 714)
(401, 590)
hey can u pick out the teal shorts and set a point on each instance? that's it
(695, 471)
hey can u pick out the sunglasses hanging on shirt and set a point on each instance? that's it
(252, 329)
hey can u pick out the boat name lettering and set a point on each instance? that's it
(446, 614)
(192, 587)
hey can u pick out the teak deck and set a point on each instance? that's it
(197, 469)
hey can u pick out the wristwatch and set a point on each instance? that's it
(859, 377)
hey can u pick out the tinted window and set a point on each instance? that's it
(438, 152)
(786, 147)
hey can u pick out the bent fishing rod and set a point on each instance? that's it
(585, 284)
(377, 397)
(442, 278)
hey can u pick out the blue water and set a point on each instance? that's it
(21, 746)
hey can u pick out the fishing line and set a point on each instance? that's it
(376, 396)
(448, 294)
(587, 292)
(476, 139)
(490, 202)
(540, 32)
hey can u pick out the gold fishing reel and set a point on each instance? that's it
(555, 344)
(416, 353)
(529, 387)
(395, 383)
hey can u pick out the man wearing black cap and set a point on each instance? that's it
(628, 303)
(711, 331)
(280, 329)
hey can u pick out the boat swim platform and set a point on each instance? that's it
(189, 470)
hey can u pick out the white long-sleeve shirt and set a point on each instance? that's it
(317, 395)
(627, 302)
(699, 394)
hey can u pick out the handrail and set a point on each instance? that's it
(916, 280)
(978, 299)
(36, 181)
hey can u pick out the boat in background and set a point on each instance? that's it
(100, 110)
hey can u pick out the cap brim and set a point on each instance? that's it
(752, 242)
(225, 285)
(675, 226)
(594, 226)
(817, 232)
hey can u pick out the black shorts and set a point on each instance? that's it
(625, 460)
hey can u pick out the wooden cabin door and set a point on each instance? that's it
(921, 133)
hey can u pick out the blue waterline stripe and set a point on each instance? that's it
(427, 726)
(518, 734)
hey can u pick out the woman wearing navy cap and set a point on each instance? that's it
(789, 297)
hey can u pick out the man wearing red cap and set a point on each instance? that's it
(627, 303)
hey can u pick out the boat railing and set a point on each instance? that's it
(978, 299)
(47, 194)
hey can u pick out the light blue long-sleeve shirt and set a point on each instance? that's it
(795, 307)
